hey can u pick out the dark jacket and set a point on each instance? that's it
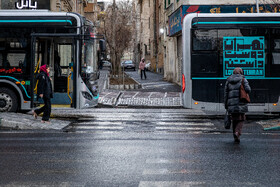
(44, 85)
(232, 94)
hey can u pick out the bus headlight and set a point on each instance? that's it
(87, 95)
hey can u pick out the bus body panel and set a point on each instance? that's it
(204, 90)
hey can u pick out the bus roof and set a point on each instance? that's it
(187, 22)
(192, 15)
(15, 14)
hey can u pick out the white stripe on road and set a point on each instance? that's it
(144, 118)
(170, 184)
(184, 123)
(98, 123)
(98, 128)
(168, 161)
(165, 171)
(184, 128)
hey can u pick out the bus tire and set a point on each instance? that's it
(8, 100)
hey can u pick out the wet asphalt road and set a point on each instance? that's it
(139, 159)
(140, 148)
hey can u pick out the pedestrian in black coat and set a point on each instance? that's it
(235, 107)
(44, 90)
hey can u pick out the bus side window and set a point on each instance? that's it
(204, 40)
(276, 52)
(273, 68)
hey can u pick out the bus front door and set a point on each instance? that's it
(58, 53)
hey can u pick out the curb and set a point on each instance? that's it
(139, 84)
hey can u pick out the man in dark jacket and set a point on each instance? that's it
(235, 107)
(44, 90)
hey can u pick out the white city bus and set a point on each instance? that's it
(214, 44)
(31, 38)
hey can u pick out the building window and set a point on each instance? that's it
(167, 3)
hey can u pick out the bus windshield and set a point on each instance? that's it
(89, 57)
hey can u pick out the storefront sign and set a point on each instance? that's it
(26, 4)
(245, 52)
(176, 19)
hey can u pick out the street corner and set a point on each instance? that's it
(20, 121)
(270, 125)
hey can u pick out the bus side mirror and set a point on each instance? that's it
(102, 45)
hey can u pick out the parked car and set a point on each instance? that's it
(129, 64)
(107, 64)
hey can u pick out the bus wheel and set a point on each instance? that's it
(8, 100)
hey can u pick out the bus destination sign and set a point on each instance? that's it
(246, 53)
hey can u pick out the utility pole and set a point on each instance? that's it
(114, 35)
(257, 5)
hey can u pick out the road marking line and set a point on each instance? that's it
(98, 128)
(169, 161)
(165, 171)
(183, 128)
(98, 123)
(148, 120)
(170, 183)
(185, 123)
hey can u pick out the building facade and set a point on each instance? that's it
(144, 26)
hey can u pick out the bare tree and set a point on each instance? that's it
(118, 27)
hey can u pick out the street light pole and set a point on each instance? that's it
(257, 5)
(114, 37)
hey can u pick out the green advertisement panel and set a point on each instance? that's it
(244, 52)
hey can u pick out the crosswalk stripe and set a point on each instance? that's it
(132, 118)
(98, 128)
(185, 123)
(165, 171)
(167, 161)
(184, 128)
(170, 183)
(161, 114)
(160, 123)
(99, 123)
